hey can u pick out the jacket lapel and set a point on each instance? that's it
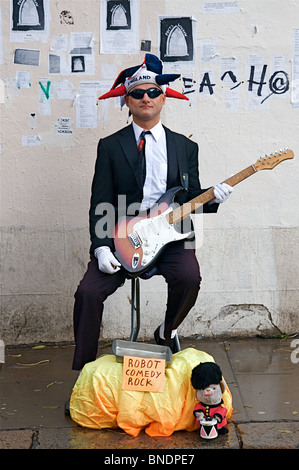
(176, 156)
(128, 143)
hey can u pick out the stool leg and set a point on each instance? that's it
(135, 308)
(177, 342)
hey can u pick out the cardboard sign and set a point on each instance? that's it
(143, 374)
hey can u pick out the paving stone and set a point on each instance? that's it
(278, 435)
(16, 439)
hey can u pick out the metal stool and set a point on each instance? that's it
(135, 303)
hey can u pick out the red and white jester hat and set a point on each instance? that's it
(148, 72)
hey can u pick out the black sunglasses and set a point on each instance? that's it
(138, 93)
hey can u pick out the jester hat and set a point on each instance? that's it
(150, 71)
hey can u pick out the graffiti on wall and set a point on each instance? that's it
(258, 82)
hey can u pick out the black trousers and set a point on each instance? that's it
(178, 266)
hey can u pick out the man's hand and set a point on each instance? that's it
(106, 260)
(222, 191)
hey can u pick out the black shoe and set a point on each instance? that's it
(222, 430)
(172, 344)
(67, 407)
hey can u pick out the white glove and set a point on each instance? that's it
(106, 260)
(222, 191)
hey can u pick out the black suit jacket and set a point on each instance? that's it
(116, 186)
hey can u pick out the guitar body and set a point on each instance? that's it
(140, 240)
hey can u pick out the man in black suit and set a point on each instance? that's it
(118, 183)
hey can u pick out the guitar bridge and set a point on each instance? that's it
(135, 240)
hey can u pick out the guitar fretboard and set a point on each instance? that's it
(188, 208)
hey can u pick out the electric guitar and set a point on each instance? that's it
(139, 240)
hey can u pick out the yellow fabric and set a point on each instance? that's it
(98, 400)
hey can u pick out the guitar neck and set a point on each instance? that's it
(188, 208)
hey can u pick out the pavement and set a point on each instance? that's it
(262, 375)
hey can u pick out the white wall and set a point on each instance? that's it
(249, 250)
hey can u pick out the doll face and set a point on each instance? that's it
(210, 395)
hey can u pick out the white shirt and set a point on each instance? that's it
(156, 164)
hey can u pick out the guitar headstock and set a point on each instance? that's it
(268, 162)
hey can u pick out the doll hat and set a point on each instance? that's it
(150, 71)
(205, 374)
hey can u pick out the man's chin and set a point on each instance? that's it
(146, 112)
(145, 116)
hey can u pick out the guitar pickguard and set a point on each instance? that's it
(152, 234)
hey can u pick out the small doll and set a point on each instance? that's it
(209, 413)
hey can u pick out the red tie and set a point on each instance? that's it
(141, 161)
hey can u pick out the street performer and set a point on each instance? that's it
(171, 160)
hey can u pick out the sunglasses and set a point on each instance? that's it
(138, 93)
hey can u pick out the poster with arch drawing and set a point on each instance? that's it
(118, 14)
(119, 26)
(29, 20)
(176, 39)
(28, 15)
